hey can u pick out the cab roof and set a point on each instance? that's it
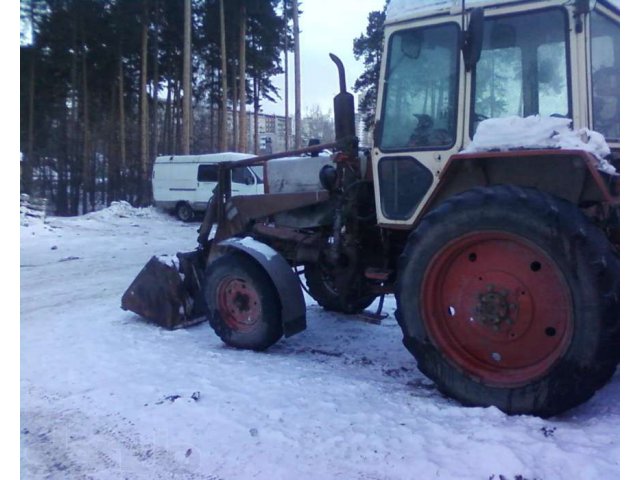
(401, 10)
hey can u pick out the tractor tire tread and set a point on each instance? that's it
(580, 240)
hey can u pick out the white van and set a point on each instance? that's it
(184, 183)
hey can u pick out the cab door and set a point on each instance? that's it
(419, 116)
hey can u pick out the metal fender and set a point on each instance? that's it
(294, 309)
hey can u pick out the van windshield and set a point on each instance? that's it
(523, 69)
(259, 171)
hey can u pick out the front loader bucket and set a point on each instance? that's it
(167, 294)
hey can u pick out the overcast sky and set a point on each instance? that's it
(327, 26)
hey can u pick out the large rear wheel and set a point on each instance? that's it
(509, 297)
(244, 308)
(324, 290)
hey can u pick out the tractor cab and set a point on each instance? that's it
(444, 71)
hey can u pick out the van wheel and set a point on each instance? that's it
(244, 306)
(184, 212)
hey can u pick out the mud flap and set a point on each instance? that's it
(294, 308)
(161, 294)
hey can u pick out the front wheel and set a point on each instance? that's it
(509, 297)
(244, 307)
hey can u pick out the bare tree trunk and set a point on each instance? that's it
(74, 126)
(156, 82)
(145, 179)
(87, 186)
(213, 131)
(121, 136)
(287, 132)
(177, 118)
(296, 73)
(113, 165)
(27, 172)
(243, 76)
(256, 109)
(174, 118)
(186, 80)
(223, 59)
(234, 105)
(27, 169)
(166, 131)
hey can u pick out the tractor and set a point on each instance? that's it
(504, 261)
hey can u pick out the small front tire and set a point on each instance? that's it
(244, 307)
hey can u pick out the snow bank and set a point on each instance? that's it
(539, 132)
(33, 212)
(122, 209)
(29, 216)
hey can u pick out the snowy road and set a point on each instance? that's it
(106, 395)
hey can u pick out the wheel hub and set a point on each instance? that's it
(239, 304)
(493, 308)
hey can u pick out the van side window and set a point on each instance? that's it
(207, 173)
(242, 175)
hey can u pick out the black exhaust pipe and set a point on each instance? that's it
(343, 107)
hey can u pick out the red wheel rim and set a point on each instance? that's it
(239, 304)
(497, 307)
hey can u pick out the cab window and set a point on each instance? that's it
(421, 89)
(605, 75)
(523, 69)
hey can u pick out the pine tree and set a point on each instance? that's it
(368, 47)
(223, 75)
(296, 75)
(89, 125)
(186, 81)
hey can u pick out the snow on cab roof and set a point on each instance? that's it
(399, 10)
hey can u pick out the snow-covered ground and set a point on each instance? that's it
(106, 395)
